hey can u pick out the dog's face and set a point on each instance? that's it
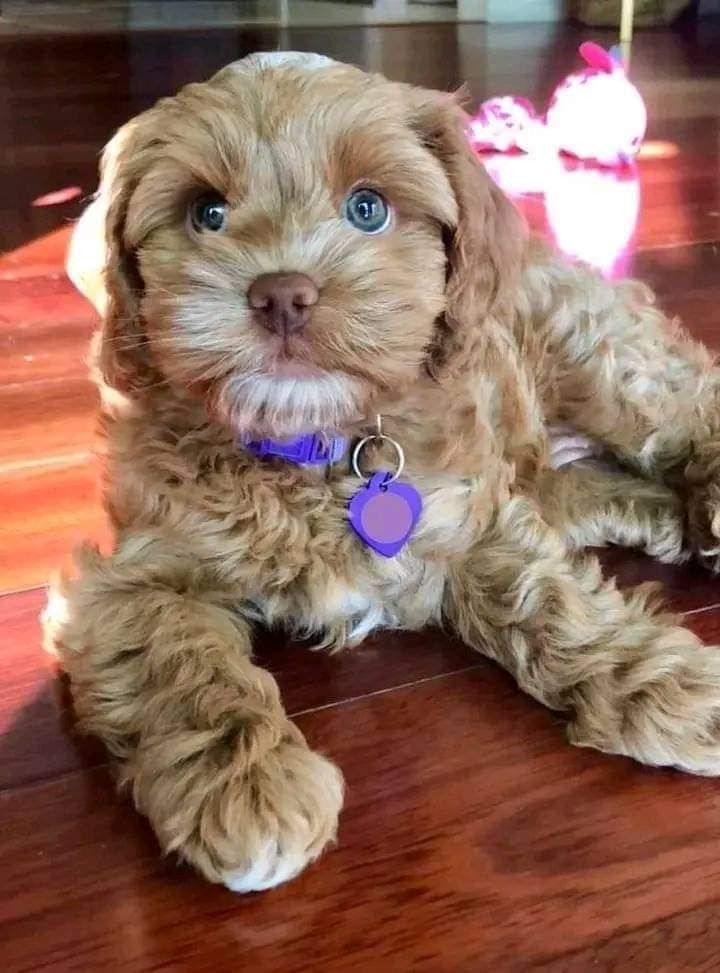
(281, 242)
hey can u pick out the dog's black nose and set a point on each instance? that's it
(282, 301)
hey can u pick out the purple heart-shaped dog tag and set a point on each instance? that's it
(384, 512)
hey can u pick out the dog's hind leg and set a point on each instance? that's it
(615, 368)
(593, 503)
(632, 681)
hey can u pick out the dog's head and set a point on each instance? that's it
(295, 241)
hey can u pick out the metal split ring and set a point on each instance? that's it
(378, 437)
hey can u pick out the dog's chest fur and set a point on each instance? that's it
(302, 565)
(280, 535)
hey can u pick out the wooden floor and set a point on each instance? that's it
(474, 838)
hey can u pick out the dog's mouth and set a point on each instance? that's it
(285, 367)
(291, 357)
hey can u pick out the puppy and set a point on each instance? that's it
(307, 281)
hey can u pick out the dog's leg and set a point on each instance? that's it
(593, 504)
(615, 368)
(160, 669)
(632, 681)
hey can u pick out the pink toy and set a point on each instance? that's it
(506, 124)
(595, 114)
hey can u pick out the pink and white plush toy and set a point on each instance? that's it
(595, 114)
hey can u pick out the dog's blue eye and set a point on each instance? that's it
(209, 212)
(367, 211)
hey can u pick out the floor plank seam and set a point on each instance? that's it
(32, 785)
(391, 689)
(23, 591)
(699, 611)
(108, 764)
(50, 462)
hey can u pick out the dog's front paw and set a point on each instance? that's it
(250, 813)
(258, 825)
(291, 808)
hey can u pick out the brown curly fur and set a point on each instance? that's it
(470, 340)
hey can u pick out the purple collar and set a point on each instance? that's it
(382, 513)
(314, 448)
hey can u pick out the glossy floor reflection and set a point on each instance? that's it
(474, 838)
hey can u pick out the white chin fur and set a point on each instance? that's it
(269, 869)
(290, 406)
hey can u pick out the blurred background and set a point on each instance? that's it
(72, 72)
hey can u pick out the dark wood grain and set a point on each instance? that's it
(686, 940)
(37, 741)
(467, 843)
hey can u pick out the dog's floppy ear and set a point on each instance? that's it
(104, 269)
(485, 246)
